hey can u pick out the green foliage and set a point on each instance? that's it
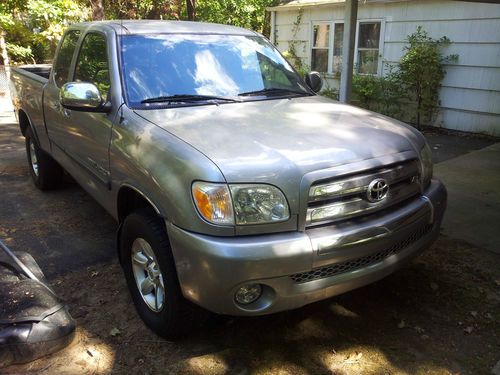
(291, 53)
(421, 71)
(379, 94)
(143, 9)
(22, 55)
(330, 92)
(249, 14)
(410, 90)
(34, 27)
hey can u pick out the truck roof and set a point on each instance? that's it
(160, 26)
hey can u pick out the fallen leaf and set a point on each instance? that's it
(473, 313)
(419, 329)
(468, 330)
(401, 324)
(114, 332)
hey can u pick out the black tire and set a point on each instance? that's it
(48, 174)
(177, 316)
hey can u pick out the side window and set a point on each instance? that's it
(65, 54)
(92, 64)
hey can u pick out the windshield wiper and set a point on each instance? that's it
(273, 91)
(186, 98)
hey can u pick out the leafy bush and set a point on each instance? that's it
(20, 55)
(410, 90)
(421, 71)
(34, 27)
(380, 94)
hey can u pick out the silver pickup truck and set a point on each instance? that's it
(236, 187)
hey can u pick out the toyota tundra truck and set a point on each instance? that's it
(236, 187)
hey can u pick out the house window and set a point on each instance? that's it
(368, 47)
(320, 47)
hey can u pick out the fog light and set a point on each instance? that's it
(248, 294)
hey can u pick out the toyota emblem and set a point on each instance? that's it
(377, 190)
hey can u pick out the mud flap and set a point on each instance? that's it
(33, 320)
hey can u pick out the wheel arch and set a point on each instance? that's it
(130, 199)
(25, 122)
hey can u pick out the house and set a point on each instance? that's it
(470, 92)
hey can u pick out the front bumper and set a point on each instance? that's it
(298, 268)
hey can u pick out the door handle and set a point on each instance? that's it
(66, 113)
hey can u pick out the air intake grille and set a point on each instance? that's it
(354, 264)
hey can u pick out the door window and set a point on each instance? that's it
(92, 65)
(64, 57)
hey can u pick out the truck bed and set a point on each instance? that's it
(38, 72)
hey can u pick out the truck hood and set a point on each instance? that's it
(261, 140)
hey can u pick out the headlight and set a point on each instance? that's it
(426, 160)
(213, 202)
(257, 204)
(240, 203)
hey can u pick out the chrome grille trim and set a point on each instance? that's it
(346, 197)
(354, 264)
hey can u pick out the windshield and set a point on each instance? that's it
(170, 68)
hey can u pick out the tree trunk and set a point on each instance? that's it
(97, 10)
(3, 49)
(419, 108)
(191, 9)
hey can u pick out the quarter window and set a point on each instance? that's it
(92, 64)
(64, 57)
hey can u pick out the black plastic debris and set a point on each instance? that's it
(33, 320)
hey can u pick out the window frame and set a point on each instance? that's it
(331, 70)
(69, 78)
(329, 47)
(77, 57)
(380, 45)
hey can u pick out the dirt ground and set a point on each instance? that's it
(438, 315)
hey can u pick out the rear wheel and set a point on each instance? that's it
(150, 272)
(44, 170)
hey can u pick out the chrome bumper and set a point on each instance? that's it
(298, 268)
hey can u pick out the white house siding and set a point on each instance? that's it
(470, 94)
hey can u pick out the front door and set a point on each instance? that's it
(89, 133)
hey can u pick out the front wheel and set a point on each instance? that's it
(44, 170)
(149, 269)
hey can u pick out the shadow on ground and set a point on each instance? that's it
(438, 315)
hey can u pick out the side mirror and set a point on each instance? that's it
(82, 96)
(314, 81)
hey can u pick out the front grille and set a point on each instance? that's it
(354, 264)
(348, 196)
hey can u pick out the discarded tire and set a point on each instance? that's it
(33, 321)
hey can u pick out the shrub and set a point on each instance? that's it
(421, 71)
